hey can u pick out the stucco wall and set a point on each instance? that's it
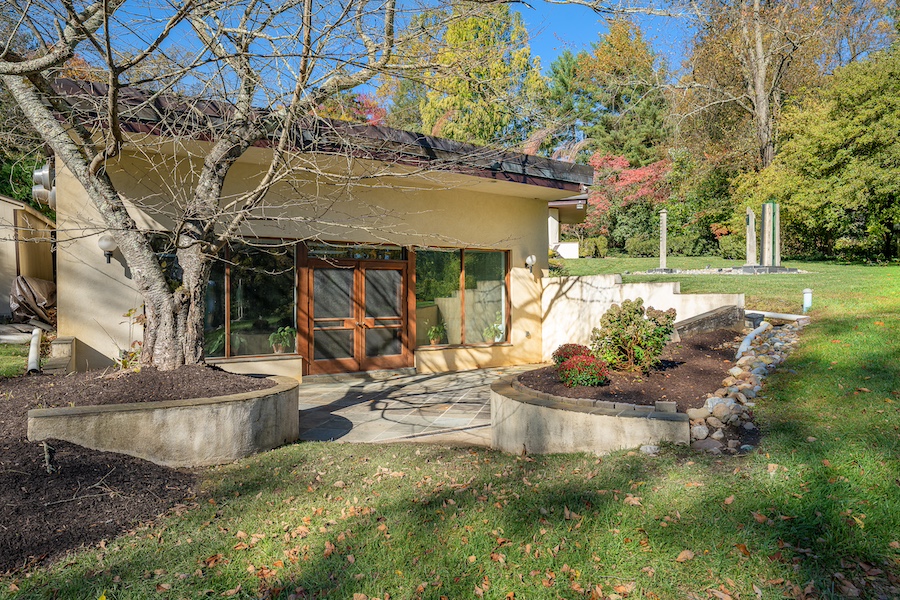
(573, 306)
(429, 210)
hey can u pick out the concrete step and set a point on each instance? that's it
(57, 366)
(62, 347)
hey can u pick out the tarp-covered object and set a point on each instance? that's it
(33, 298)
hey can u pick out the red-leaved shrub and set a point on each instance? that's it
(567, 351)
(583, 370)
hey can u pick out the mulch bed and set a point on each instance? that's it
(94, 495)
(689, 371)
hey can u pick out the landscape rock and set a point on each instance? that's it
(695, 414)
(699, 432)
(721, 410)
(707, 444)
(714, 423)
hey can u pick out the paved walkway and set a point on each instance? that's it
(400, 406)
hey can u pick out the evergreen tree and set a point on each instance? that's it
(490, 100)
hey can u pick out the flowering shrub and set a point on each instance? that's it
(630, 340)
(583, 370)
(567, 351)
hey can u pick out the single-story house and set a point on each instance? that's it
(429, 256)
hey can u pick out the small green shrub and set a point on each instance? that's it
(628, 339)
(733, 247)
(641, 247)
(567, 351)
(558, 268)
(583, 370)
(595, 247)
(684, 245)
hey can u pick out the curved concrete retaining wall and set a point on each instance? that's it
(179, 433)
(544, 424)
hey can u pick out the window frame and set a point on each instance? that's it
(462, 297)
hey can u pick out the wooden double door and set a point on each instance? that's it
(358, 315)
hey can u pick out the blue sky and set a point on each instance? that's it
(554, 28)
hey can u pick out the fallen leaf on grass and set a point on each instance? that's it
(233, 592)
(625, 588)
(895, 545)
(720, 595)
(772, 468)
(760, 518)
(358, 596)
(743, 549)
(163, 587)
(684, 555)
(729, 500)
(212, 560)
(863, 390)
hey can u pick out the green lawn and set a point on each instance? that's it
(814, 513)
(13, 359)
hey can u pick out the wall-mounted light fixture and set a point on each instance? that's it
(108, 244)
(530, 261)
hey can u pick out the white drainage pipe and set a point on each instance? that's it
(745, 345)
(781, 316)
(34, 353)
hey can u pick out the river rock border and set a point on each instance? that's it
(179, 433)
(731, 406)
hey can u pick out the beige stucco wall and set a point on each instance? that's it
(573, 306)
(428, 210)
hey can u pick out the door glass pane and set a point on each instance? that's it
(383, 342)
(333, 293)
(485, 296)
(263, 299)
(383, 293)
(438, 302)
(329, 344)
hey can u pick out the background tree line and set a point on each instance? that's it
(788, 100)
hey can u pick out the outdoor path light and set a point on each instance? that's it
(108, 244)
(807, 300)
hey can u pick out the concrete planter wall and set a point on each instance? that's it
(523, 419)
(179, 433)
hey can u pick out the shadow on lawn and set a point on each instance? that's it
(797, 513)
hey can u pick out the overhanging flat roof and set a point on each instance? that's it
(571, 210)
(160, 114)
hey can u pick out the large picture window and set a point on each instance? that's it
(251, 296)
(461, 296)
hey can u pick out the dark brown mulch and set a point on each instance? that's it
(689, 371)
(94, 495)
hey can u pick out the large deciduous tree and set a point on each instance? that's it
(257, 69)
(838, 172)
(749, 56)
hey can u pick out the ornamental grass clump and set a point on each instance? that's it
(567, 351)
(583, 370)
(630, 340)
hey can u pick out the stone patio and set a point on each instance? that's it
(392, 406)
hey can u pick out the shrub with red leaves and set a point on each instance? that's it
(567, 351)
(583, 370)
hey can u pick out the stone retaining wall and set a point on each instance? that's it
(179, 433)
(538, 423)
